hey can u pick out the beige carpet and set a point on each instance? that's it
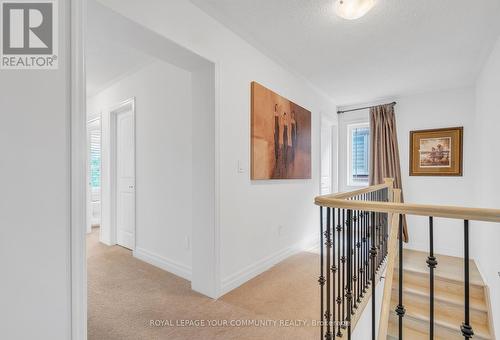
(125, 294)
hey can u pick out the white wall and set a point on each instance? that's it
(428, 111)
(486, 236)
(440, 109)
(250, 212)
(163, 161)
(35, 200)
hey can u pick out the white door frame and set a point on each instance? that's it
(327, 121)
(78, 180)
(113, 186)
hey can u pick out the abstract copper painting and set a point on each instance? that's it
(281, 137)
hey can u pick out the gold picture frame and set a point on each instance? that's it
(436, 152)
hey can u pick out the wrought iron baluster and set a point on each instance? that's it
(349, 272)
(363, 238)
(379, 240)
(431, 263)
(386, 225)
(321, 279)
(367, 247)
(466, 328)
(358, 251)
(339, 277)
(353, 260)
(369, 244)
(373, 255)
(344, 266)
(334, 272)
(328, 244)
(400, 310)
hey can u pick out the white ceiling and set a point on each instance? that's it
(117, 46)
(400, 47)
(108, 62)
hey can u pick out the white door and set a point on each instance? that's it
(125, 177)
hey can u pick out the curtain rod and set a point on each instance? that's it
(364, 108)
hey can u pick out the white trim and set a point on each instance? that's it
(332, 125)
(249, 272)
(169, 265)
(217, 185)
(78, 179)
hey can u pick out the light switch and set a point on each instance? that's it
(241, 169)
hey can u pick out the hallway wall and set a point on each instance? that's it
(433, 110)
(35, 201)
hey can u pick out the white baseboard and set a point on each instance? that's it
(237, 279)
(170, 266)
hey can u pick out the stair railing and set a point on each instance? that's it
(369, 224)
(354, 248)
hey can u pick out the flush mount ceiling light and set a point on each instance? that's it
(353, 9)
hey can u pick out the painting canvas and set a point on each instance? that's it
(281, 137)
(436, 152)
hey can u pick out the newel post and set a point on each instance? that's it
(390, 188)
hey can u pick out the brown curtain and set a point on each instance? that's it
(384, 159)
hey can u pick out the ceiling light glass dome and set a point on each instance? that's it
(353, 9)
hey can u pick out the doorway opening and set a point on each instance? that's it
(152, 105)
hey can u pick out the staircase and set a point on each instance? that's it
(449, 299)
(429, 296)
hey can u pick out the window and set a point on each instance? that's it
(358, 154)
(95, 159)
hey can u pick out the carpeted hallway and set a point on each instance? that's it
(125, 295)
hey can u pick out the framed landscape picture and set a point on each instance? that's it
(437, 152)
(280, 137)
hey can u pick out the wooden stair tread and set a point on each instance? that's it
(419, 326)
(443, 296)
(446, 285)
(449, 294)
(450, 312)
(441, 320)
(408, 333)
(446, 269)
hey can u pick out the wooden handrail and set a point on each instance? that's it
(389, 274)
(343, 201)
(462, 213)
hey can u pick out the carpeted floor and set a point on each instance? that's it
(126, 295)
